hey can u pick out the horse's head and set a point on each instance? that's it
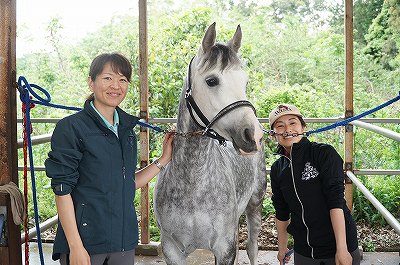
(217, 85)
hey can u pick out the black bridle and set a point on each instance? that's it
(192, 106)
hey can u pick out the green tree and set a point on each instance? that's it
(383, 38)
(365, 11)
(290, 61)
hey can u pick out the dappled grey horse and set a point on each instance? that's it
(211, 181)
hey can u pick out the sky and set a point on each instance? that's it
(78, 18)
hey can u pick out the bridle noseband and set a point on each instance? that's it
(192, 106)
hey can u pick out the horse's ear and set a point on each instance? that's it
(209, 38)
(236, 41)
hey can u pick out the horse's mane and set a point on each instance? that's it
(227, 55)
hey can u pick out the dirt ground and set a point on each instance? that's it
(371, 238)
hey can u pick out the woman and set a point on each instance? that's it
(92, 169)
(308, 195)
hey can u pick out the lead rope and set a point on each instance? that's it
(28, 104)
(25, 146)
(336, 124)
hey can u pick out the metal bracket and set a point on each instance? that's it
(143, 115)
(349, 128)
(348, 166)
(348, 114)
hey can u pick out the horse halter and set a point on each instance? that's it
(192, 106)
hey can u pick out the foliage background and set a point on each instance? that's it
(293, 51)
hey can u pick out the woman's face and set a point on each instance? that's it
(109, 88)
(288, 124)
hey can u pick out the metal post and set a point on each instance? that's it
(11, 252)
(349, 110)
(144, 132)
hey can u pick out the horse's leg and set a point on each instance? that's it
(225, 253)
(253, 217)
(237, 248)
(172, 254)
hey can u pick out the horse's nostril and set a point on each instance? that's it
(248, 136)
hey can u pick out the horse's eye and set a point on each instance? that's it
(212, 81)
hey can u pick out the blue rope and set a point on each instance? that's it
(26, 99)
(41, 101)
(46, 102)
(348, 120)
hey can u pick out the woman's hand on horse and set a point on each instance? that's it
(167, 148)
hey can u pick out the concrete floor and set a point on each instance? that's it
(204, 257)
(200, 257)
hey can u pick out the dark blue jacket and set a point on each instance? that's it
(305, 188)
(88, 161)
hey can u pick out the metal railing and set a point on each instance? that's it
(385, 213)
(392, 221)
(376, 129)
(49, 223)
(362, 123)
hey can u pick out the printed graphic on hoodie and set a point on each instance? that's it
(309, 172)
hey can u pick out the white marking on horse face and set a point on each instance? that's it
(240, 125)
(231, 88)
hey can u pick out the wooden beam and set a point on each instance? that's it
(144, 114)
(11, 252)
(349, 109)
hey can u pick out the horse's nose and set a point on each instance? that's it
(258, 135)
(251, 140)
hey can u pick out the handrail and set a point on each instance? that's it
(43, 227)
(39, 139)
(47, 137)
(385, 213)
(362, 172)
(261, 120)
(375, 172)
(379, 130)
(37, 168)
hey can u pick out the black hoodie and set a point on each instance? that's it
(305, 187)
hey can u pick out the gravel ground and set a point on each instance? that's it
(371, 238)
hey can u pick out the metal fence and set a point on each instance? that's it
(362, 123)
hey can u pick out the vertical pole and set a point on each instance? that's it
(349, 110)
(144, 132)
(11, 252)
